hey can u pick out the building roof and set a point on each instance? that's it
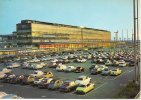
(56, 24)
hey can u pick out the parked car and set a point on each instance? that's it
(55, 84)
(108, 63)
(47, 74)
(70, 69)
(52, 65)
(122, 63)
(25, 65)
(29, 79)
(61, 67)
(36, 66)
(115, 63)
(44, 83)
(93, 66)
(37, 74)
(85, 88)
(68, 86)
(37, 81)
(79, 69)
(34, 60)
(106, 71)
(13, 65)
(54, 61)
(83, 79)
(8, 77)
(4, 71)
(81, 60)
(115, 72)
(25, 79)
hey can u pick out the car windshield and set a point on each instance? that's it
(82, 86)
(80, 79)
(106, 69)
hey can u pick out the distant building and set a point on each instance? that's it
(51, 35)
(7, 41)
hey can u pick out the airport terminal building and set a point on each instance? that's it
(52, 35)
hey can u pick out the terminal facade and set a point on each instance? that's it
(59, 36)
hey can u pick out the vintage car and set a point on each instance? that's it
(106, 71)
(83, 89)
(16, 79)
(37, 74)
(68, 86)
(34, 60)
(93, 66)
(70, 69)
(24, 79)
(44, 83)
(4, 72)
(79, 69)
(47, 74)
(25, 65)
(52, 65)
(108, 63)
(8, 77)
(115, 72)
(54, 61)
(122, 63)
(55, 84)
(115, 63)
(13, 65)
(81, 60)
(98, 69)
(29, 79)
(37, 81)
(61, 67)
(83, 79)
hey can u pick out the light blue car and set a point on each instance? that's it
(106, 71)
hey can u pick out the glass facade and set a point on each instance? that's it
(41, 34)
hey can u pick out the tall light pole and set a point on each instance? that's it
(135, 16)
(82, 40)
(122, 34)
(127, 34)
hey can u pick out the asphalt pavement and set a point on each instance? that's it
(106, 86)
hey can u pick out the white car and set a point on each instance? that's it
(101, 68)
(81, 60)
(54, 60)
(4, 72)
(83, 79)
(37, 74)
(122, 63)
(13, 65)
(70, 68)
(37, 66)
(61, 67)
(37, 81)
(25, 65)
(108, 63)
(34, 60)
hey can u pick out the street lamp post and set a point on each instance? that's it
(82, 40)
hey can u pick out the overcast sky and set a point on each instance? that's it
(110, 15)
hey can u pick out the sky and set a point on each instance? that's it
(111, 15)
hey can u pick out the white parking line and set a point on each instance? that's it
(100, 86)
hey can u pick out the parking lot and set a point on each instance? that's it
(105, 86)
